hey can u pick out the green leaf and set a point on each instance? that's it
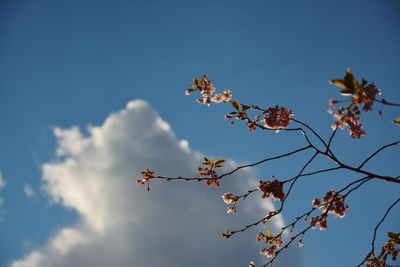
(349, 84)
(347, 92)
(206, 161)
(397, 121)
(269, 234)
(338, 82)
(350, 80)
(218, 163)
(245, 108)
(395, 237)
(236, 105)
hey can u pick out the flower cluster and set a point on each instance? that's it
(277, 118)
(366, 96)
(332, 203)
(274, 243)
(209, 171)
(207, 91)
(363, 94)
(349, 117)
(272, 189)
(230, 198)
(239, 114)
(389, 248)
(319, 220)
(274, 118)
(148, 176)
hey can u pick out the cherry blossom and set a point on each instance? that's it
(229, 198)
(366, 96)
(272, 189)
(277, 118)
(349, 117)
(207, 90)
(148, 176)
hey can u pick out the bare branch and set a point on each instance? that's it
(265, 160)
(384, 102)
(376, 152)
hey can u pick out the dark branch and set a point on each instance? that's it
(384, 102)
(376, 152)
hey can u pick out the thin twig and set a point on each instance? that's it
(384, 102)
(265, 160)
(376, 152)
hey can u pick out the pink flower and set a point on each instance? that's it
(251, 127)
(231, 210)
(277, 118)
(323, 225)
(277, 241)
(148, 176)
(268, 252)
(212, 182)
(349, 117)
(207, 91)
(217, 98)
(272, 189)
(300, 243)
(229, 198)
(335, 204)
(261, 237)
(366, 96)
(227, 95)
(314, 222)
(316, 202)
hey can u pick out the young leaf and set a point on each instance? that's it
(219, 162)
(346, 92)
(338, 82)
(395, 237)
(245, 108)
(269, 234)
(348, 84)
(236, 105)
(350, 80)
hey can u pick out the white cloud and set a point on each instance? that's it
(28, 190)
(122, 225)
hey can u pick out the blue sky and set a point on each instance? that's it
(73, 63)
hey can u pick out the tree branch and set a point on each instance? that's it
(376, 152)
